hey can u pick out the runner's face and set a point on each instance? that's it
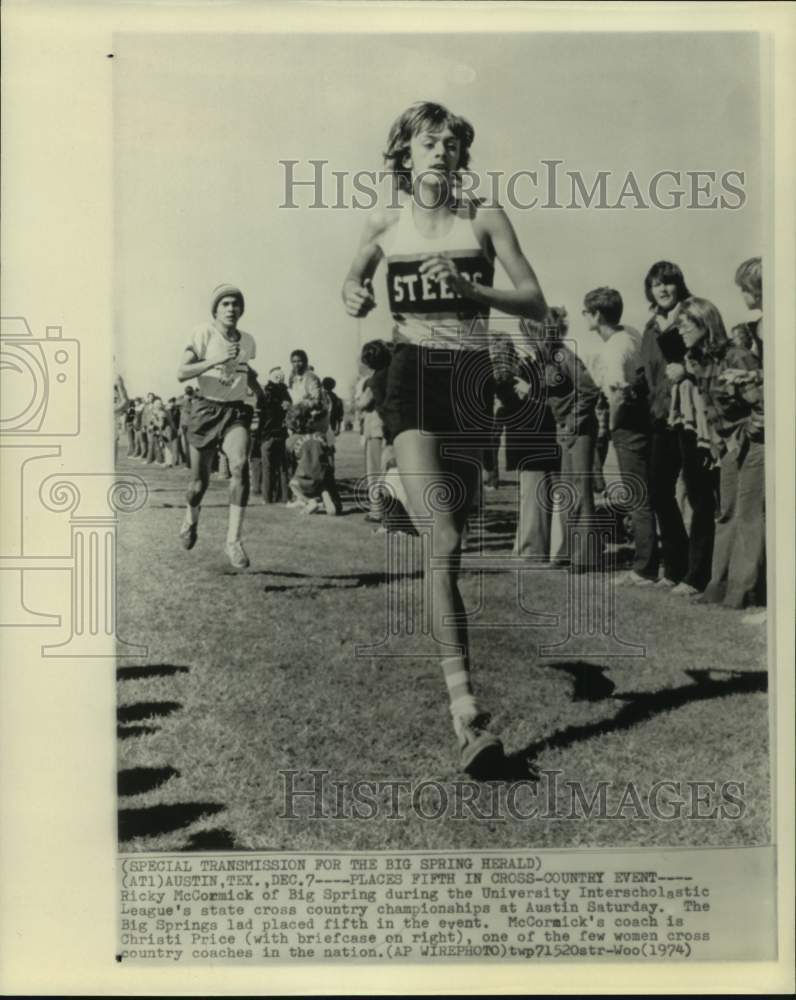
(434, 156)
(665, 295)
(228, 311)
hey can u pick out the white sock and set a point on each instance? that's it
(192, 514)
(235, 523)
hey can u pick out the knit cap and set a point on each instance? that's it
(220, 292)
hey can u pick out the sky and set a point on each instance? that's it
(201, 123)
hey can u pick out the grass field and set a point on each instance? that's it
(254, 673)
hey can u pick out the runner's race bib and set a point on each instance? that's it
(412, 292)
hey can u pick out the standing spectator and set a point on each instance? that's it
(504, 370)
(376, 358)
(674, 446)
(616, 369)
(155, 453)
(734, 385)
(531, 446)
(146, 426)
(572, 398)
(129, 424)
(304, 384)
(255, 461)
(175, 416)
(273, 432)
(140, 431)
(121, 404)
(185, 417)
(336, 408)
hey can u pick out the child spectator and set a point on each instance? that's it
(313, 483)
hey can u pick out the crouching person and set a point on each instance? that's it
(312, 485)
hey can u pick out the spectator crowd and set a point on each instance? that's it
(680, 401)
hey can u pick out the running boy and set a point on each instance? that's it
(440, 249)
(218, 357)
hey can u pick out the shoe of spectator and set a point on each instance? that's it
(635, 579)
(665, 583)
(755, 618)
(236, 555)
(684, 589)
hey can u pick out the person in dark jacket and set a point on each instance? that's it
(273, 433)
(686, 555)
(531, 446)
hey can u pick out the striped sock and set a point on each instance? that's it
(456, 671)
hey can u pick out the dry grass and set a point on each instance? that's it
(254, 673)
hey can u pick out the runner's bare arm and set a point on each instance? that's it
(192, 367)
(357, 290)
(525, 299)
(253, 383)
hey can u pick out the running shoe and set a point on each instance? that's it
(188, 535)
(312, 507)
(479, 749)
(236, 555)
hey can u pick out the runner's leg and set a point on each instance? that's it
(235, 447)
(201, 464)
(422, 469)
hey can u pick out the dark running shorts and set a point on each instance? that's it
(439, 391)
(210, 420)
